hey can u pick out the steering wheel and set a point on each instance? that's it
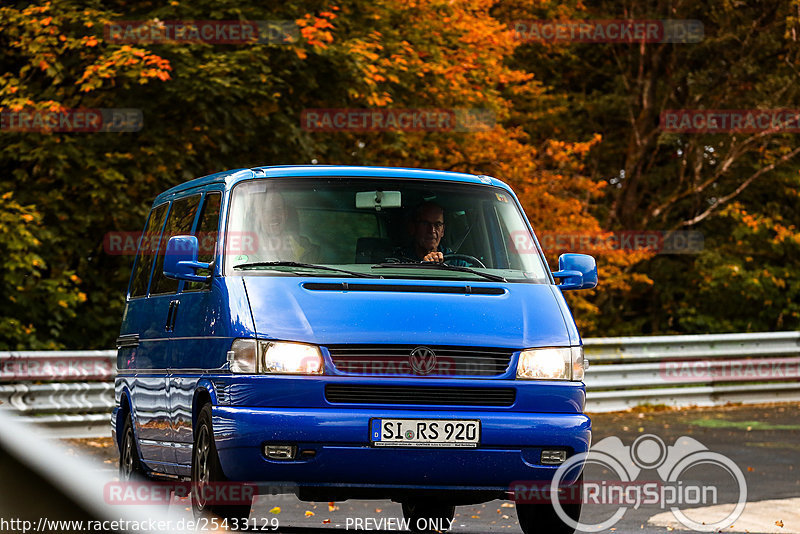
(466, 257)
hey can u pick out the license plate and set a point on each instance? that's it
(425, 432)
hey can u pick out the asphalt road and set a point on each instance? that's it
(763, 441)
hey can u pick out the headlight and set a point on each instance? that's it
(291, 358)
(252, 356)
(243, 356)
(565, 363)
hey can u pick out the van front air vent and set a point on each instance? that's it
(424, 395)
(403, 288)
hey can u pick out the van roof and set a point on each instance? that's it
(229, 178)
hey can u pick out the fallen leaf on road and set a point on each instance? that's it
(309, 513)
(275, 510)
(506, 505)
(378, 510)
(779, 523)
(326, 521)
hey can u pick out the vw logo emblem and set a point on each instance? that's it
(422, 360)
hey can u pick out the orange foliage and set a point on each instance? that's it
(456, 56)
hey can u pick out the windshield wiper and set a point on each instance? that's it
(442, 266)
(299, 265)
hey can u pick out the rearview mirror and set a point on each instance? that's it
(576, 271)
(180, 259)
(378, 199)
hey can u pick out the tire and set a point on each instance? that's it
(534, 518)
(428, 517)
(206, 469)
(130, 466)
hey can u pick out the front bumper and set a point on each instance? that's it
(509, 451)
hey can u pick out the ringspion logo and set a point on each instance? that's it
(675, 489)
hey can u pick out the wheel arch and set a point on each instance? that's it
(204, 393)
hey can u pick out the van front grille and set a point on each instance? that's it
(419, 395)
(397, 360)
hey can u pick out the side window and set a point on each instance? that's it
(206, 234)
(179, 222)
(148, 246)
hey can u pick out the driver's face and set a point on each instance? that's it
(429, 228)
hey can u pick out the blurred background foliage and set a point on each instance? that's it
(576, 134)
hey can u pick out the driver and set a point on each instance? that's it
(427, 229)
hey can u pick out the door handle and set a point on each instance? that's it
(174, 304)
(171, 315)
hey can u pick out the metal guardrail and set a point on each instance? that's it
(72, 391)
(694, 370)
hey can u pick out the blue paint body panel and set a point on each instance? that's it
(343, 455)
(174, 367)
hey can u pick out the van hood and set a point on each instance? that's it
(320, 311)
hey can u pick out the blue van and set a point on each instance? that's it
(351, 332)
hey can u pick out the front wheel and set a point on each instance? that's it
(207, 475)
(534, 518)
(428, 517)
(130, 466)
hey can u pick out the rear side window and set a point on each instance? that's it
(179, 222)
(147, 249)
(206, 237)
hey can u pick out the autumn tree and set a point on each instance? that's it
(660, 180)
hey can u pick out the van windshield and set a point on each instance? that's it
(379, 227)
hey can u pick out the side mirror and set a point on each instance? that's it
(576, 271)
(180, 259)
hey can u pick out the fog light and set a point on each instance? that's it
(553, 457)
(279, 452)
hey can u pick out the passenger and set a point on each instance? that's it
(278, 236)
